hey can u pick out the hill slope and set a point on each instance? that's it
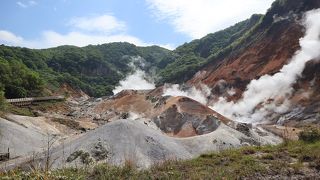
(264, 51)
(94, 69)
(97, 69)
(194, 55)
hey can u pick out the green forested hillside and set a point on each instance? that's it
(97, 69)
(94, 69)
(194, 55)
(17, 80)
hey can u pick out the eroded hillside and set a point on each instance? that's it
(264, 51)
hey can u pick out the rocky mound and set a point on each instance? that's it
(184, 117)
(135, 142)
(176, 116)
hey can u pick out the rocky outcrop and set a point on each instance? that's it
(175, 116)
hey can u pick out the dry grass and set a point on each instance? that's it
(69, 123)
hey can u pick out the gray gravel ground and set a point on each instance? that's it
(131, 140)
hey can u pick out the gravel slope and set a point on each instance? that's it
(134, 141)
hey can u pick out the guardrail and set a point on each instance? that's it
(29, 100)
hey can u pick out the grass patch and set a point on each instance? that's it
(31, 109)
(23, 111)
(69, 123)
(268, 157)
(44, 106)
(311, 134)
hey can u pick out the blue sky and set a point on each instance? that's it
(168, 23)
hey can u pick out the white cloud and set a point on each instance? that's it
(21, 4)
(8, 37)
(94, 30)
(104, 23)
(32, 3)
(26, 4)
(196, 18)
(53, 39)
(81, 39)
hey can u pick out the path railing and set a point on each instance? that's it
(30, 100)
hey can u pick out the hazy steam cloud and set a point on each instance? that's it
(136, 81)
(271, 92)
(199, 95)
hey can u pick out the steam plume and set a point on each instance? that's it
(135, 81)
(199, 95)
(272, 92)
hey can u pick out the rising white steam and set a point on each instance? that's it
(135, 81)
(200, 95)
(271, 93)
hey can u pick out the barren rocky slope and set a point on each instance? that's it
(139, 126)
(131, 140)
(268, 47)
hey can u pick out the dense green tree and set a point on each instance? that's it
(2, 98)
(18, 80)
(181, 69)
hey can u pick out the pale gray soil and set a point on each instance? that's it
(19, 139)
(129, 140)
(28, 135)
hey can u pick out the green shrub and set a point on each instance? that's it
(268, 157)
(310, 135)
(2, 100)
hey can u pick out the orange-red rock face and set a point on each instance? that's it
(175, 116)
(265, 56)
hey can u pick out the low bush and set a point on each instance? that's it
(2, 100)
(310, 134)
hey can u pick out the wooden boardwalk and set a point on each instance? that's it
(30, 100)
